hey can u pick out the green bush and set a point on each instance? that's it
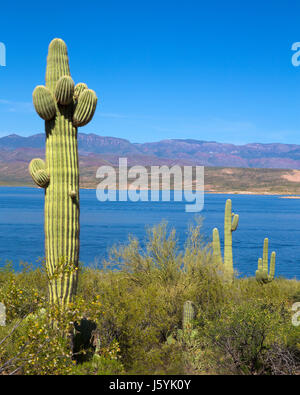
(125, 312)
(251, 338)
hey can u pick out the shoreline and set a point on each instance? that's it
(286, 195)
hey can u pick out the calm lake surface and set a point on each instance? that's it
(104, 224)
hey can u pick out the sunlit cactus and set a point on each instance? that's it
(262, 273)
(64, 107)
(231, 221)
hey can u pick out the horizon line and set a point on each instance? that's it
(159, 141)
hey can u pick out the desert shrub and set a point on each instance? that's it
(103, 366)
(251, 338)
(125, 312)
(105, 361)
(143, 298)
(42, 342)
(33, 346)
(22, 292)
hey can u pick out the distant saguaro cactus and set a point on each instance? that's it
(262, 273)
(231, 221)
(188, 315)
(64, 107)
(187, 332)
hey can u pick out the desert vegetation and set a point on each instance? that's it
(127, 316)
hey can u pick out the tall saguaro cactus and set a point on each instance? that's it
(230, 225)
(262, 273)
(64, 107)
(231, 221)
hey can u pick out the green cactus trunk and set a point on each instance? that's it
(272, 266)
(63, 108)
(266, 255)
(217, 255)
(230, 225)
(61, 209)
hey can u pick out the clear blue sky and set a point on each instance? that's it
(207, 70)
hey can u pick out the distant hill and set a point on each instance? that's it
(196, 152)
(248, 163)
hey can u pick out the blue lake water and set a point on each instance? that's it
(106, 223)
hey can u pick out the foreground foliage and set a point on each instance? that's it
(124, 314)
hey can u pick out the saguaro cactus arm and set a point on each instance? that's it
(217, 247)
(235, 222)
(259, 271)
(64, 90)
(85, 107)
(44, 102)
(79, 88)
(266, 255)
(38, 171)
(272, 266)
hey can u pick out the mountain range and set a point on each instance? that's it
(95, 149)
(249, 168)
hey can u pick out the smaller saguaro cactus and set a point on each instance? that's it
(231, 221)
(262, 273)
(188, 315)
(217, 255)
(187, 332)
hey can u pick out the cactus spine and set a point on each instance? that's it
(64, 107)
(262, 273)
(231, 221)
